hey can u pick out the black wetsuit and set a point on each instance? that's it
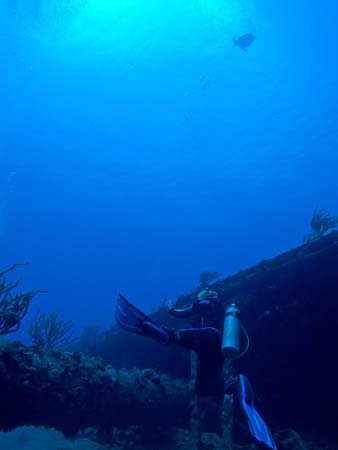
(206, 341)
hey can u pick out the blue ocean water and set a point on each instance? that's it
(139, 146)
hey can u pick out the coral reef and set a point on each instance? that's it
(69, 392)
(321, 222)
(47, 332)
(13, 307)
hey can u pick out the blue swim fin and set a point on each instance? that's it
(258, 427)
(134, 320)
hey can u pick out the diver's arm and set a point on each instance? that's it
(184, 312)
(201, 307)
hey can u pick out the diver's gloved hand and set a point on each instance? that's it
(169, 305)
(173, 335)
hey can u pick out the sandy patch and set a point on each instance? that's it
(31, 438)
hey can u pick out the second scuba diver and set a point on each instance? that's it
(206, 341)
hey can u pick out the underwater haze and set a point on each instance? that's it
(139, 146)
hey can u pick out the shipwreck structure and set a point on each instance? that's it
(289, 307)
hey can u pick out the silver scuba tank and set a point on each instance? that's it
(231, 342)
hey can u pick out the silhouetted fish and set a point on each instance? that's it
(244, 41)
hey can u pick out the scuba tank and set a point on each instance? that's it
(231, 342)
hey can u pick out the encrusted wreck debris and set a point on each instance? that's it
(69, 392)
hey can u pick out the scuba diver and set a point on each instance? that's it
(207, 341)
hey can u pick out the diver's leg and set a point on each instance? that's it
(158, 333)
(201, 340)
(206, 342)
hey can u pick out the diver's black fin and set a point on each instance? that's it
(134, 320)
(128, 316)
(257, 426)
